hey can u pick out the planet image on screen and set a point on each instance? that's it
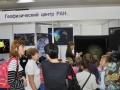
(57, 35)
(61, 36)
(2, 45)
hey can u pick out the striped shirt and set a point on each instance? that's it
(14, 77)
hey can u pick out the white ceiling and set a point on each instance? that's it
(10, 4)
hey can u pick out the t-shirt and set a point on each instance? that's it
(32, 69)
(83, 76)
(55, 75)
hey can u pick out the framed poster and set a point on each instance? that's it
(28, 38)
(4, 46)
(42, 40)
(61, 35)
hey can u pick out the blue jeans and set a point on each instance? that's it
(2, 89)
(42, 87)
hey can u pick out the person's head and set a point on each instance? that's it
(95, 57)
(71, 45)
(95, 60)
(51, 50)
(17, 48)
(84, 64)
(88, 57)
(32, 53)
(104, 60)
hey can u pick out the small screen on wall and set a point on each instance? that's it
(4, 46)
(96, 45)
(61, 35)
(28, 38)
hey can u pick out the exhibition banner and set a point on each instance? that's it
(82, 13)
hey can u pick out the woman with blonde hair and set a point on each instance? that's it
(15, 71)
(103, 70)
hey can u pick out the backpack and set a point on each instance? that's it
(4, 73)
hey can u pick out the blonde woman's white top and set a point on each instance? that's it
(32, 69)
(82, 77)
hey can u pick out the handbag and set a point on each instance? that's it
(73, 84)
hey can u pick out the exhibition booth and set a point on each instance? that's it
(32, 25)
(91, 28)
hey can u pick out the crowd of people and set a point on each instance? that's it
(51, 73)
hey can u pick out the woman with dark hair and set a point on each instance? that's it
(70, 56)
(15, 70)
(88, 56)
(55, 73)
(86, 80)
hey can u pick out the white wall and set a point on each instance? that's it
(91, 30)
(97, 27)
(7, 31)
(25, 28)
(108, 24)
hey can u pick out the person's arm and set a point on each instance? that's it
(12, 80)
(70, 72)
(31, 82)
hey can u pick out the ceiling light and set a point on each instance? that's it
(71, 25)
(25, 1)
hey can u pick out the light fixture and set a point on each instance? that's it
(25, 1)
(71, 25)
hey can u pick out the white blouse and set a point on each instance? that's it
(82, 77)
(32, 69)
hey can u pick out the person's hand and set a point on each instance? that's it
(77, 54)
(24, 81)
